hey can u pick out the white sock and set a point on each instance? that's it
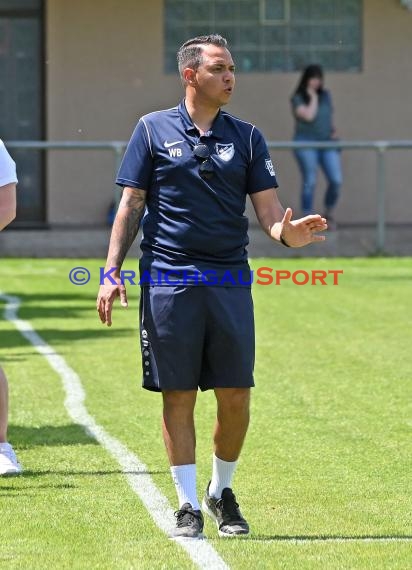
(222, 476)
(184, 478)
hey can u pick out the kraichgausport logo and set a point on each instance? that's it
(210, 278)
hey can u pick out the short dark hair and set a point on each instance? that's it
(190, 53)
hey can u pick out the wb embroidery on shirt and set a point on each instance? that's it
(173, 152)
(225, 151)
(269, 166)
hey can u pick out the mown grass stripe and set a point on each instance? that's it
(333, 539)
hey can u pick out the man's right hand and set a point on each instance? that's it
(106, 297)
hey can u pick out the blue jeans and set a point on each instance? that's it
(309, 159)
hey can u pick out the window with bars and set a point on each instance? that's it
(271, 35)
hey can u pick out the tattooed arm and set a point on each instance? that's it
(125, 228)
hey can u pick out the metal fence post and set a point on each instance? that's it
(380, 198)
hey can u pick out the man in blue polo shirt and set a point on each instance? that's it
(186, 174)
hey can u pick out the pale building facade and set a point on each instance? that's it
(100, 64)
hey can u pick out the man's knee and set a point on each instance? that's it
(179, 400)
(233, 400)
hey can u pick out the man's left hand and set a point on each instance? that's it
(301, 232)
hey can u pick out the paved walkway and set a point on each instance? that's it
(348, 241)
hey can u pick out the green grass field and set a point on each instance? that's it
(325, 475)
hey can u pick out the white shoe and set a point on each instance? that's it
(8, 460)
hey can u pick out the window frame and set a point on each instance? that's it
(263, 55)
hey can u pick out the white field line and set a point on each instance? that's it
(200, 551)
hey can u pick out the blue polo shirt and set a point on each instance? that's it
(194, 227)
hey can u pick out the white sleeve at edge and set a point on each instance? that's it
(7, 167)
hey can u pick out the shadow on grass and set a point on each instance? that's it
(22, 356)
(27, 483)
(407, 276)
(58, 337)
(24, 437)
(54, 304)
(63, 306)
(60, 305)
(99, 473)
(328, 538)
(5, 490)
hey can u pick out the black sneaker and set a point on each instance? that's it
(225, 512)
(189, 523)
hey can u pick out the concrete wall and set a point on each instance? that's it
(105, 69)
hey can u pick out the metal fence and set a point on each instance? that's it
(379, 147)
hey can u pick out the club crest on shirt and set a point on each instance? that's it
(225, 151)
(269, 166)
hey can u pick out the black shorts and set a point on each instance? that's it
(197, 337)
